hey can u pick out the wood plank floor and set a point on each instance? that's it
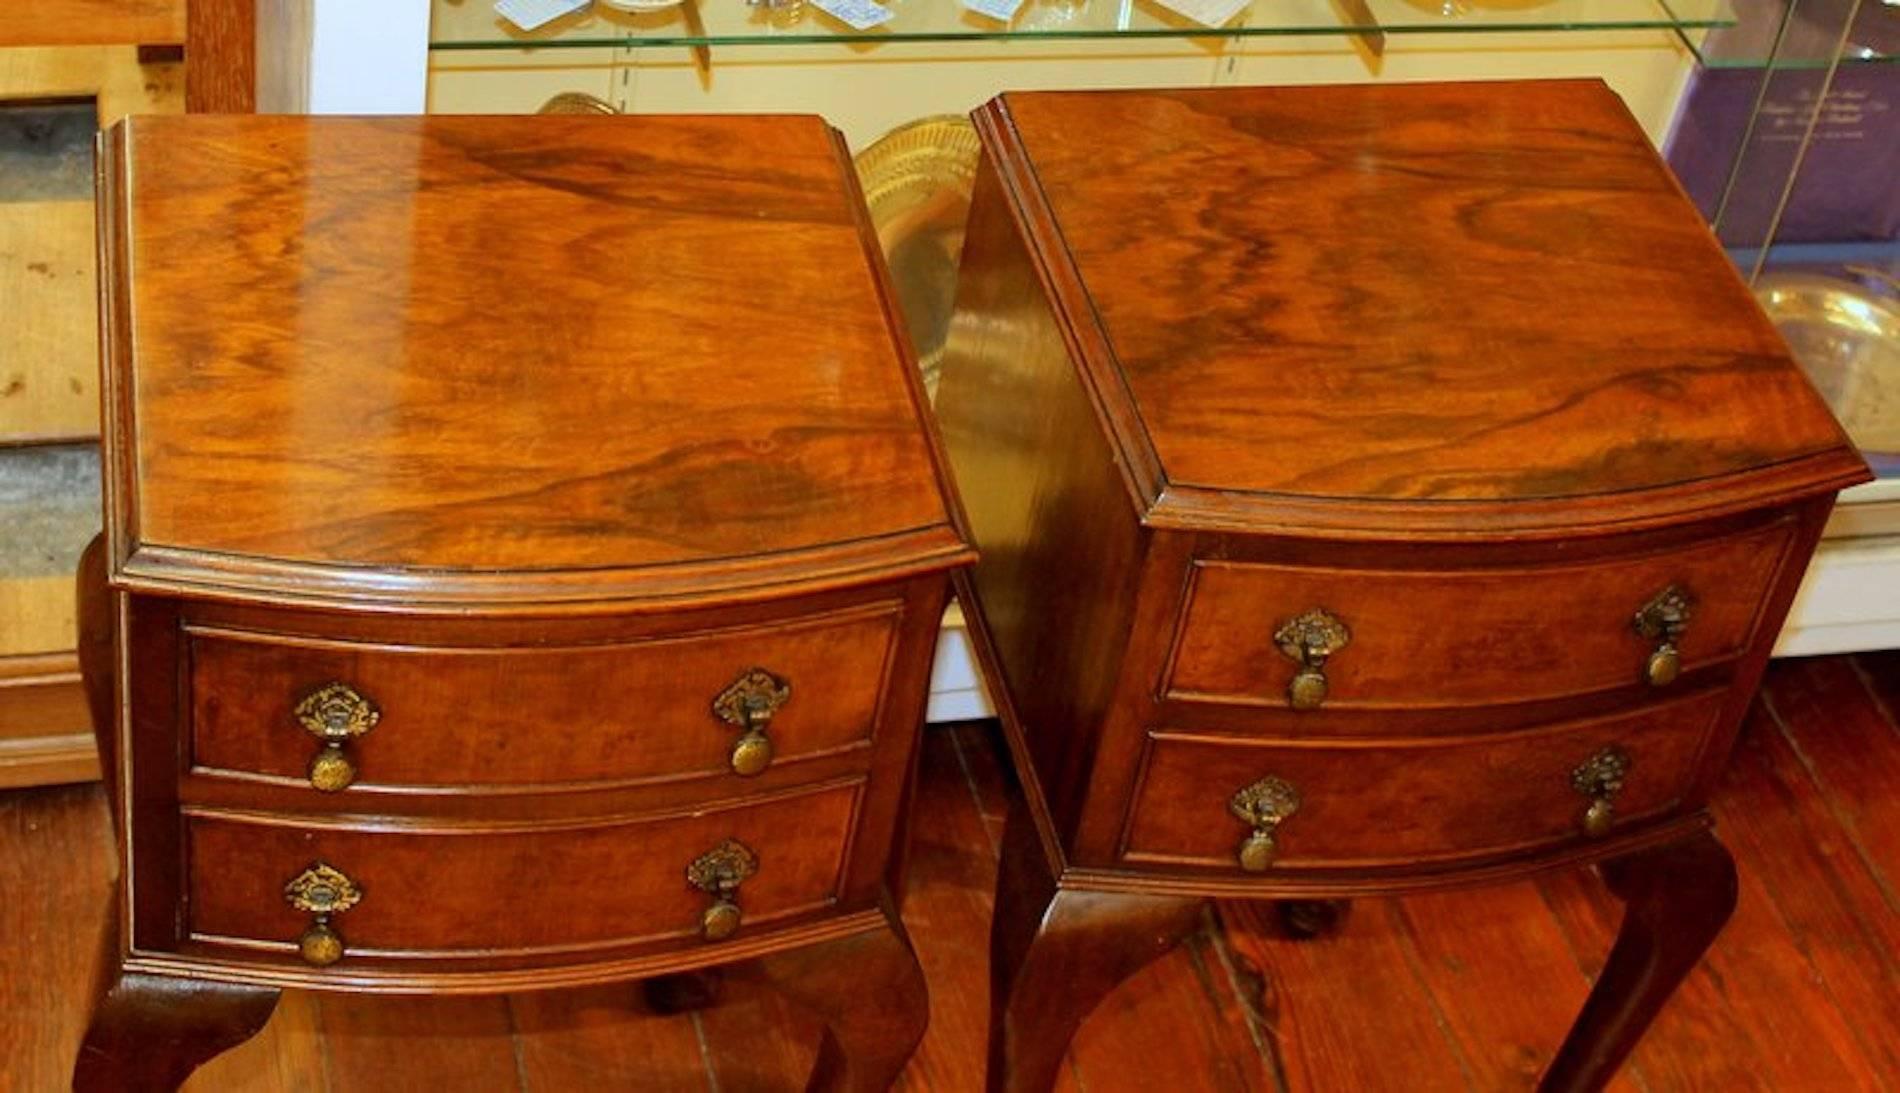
(1459, 991)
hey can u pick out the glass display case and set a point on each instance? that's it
(476, 25)
(1788, 137)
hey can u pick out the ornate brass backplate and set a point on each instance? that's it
(321, 890)
(335, 713)
(719, 872)
(1663, 620)
(1600, 778)
(748, 704)
(1307, 639)
(1264, 805)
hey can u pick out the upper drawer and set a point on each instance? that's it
(1467, 636)
(470, 718)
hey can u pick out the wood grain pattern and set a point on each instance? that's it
(56, 860)
(613, 711)
(1348, 1012)
(94, 22)
(1827, 897)
(1503, 285)
(1502, 966)
(1462, 947)
(410, 1043)
(1485, 649)
(1032, 468)
(406, 408)
(488, 893)
(1407, 803)
(602, 1037)
(221, 53)
(543, 607)
(1293, 348)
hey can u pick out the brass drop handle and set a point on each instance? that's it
(1663, 620)
(1264, 805)
(719, 872)
(1307, 639)
(335, 713)
(1600, 778)
(748, 704)
(321, 890)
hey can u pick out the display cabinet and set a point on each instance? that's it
(1788, 137)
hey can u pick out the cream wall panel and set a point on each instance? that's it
(1648, 68)
(867, 90)
(515, 81)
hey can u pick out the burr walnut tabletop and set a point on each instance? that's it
(525, 548)
(1379, 488)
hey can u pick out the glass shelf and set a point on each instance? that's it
(1802, 35)
(473, 24)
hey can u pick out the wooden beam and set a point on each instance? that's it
(93, 23)
(221, 57)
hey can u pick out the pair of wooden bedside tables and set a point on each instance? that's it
(526, 540)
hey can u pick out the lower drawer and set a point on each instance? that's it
(1389, 802)
(494, 893)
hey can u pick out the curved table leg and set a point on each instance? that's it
(1056, 953)
(1677, 898)
(149, 1032)
(869, 991)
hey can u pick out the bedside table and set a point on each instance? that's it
(1379, 488)
(525, 545)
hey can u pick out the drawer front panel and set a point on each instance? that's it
(1405, 801)
(523, 717)
(1421, 638)
(496, 893)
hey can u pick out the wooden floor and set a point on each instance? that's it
(1462, 991)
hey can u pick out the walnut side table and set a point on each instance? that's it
(1379, 488)
(525, 546)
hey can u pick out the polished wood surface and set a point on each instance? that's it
(1462, 990)
(1678, 899)
(1057, 954)
(350, 319)
(1395, 804)
(1480, 493)
(545, 715)
(221, 55)
(538, 522)
(1500, 285)
(1579, 640)
(495, 894)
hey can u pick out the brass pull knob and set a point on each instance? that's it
(1307, 639)
(1264, 805)
(719, 872)
(321, 890)
(335, 713)
(1662, 620)
(1600, 778)
(748, 704)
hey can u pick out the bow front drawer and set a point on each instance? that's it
(351, 715)
(1253, 806)
(334, 894)
(1307, 636)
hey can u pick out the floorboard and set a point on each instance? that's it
(1457, 991)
